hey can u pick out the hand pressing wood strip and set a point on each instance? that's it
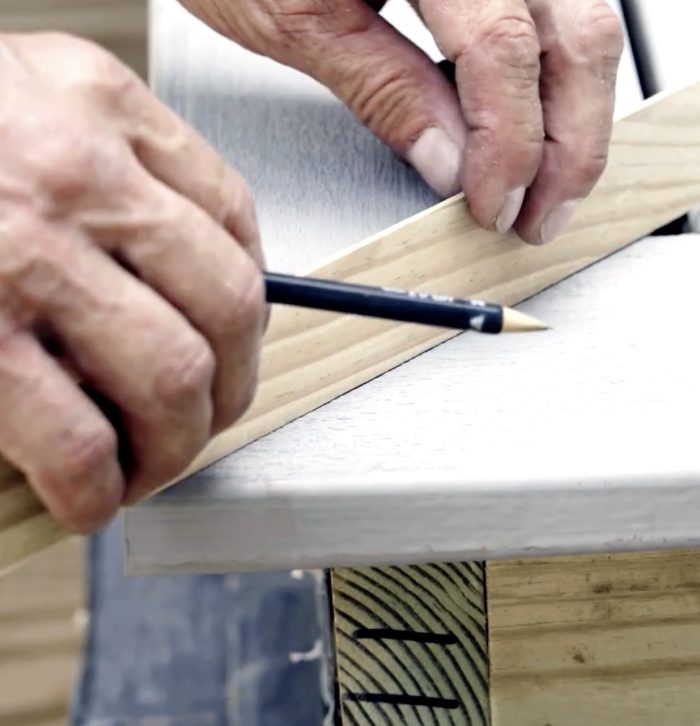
(311, 357)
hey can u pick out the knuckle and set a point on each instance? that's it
(381, 94)
(186, 373)
(244, 200)
(512, 41)
(599, 36)
(523, 153)
(299, 19)
(237, 200)
(88, 511)
(91, 70)
(83, 495)
(239, 396)
(246, 313)
(588, 170)
(68, 163)
(88, 452)
(244, 396)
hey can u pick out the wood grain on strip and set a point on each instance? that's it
(576, 641)
(25, 526)
(411, 645)
(311, 357)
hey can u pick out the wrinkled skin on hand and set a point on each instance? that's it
(132, 248)
(525, 133)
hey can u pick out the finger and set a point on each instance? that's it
(129, 344)
(176, 155)
(390, 84)
(582, 44)
(496, 53)
(177, 249)
(56, 435)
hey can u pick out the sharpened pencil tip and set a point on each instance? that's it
(516, 322)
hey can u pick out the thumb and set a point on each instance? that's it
(391, 86)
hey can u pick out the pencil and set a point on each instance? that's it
(400, 305)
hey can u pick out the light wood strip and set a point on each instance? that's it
(576, 641)
(312, 357)
(411, 645)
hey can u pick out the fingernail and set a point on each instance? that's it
(512, 204)
(438, 159)
(557, 221)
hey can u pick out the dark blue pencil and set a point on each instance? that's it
(401, 305)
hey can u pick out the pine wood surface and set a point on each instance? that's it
(311, 357)
(572, 641)
(577, 641)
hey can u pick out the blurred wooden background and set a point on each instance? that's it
(42, 620)
(120, 25)
(42, 614)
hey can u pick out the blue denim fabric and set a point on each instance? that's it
(234, 650)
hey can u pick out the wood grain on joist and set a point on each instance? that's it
(614, 639)
(311, 357)
(411, 645)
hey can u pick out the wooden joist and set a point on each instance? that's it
(411, 645)
(564, 641)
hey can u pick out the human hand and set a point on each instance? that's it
(526, 132)
(129, 246)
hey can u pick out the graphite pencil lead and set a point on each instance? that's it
(516, 322)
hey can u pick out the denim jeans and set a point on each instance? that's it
(205, 650)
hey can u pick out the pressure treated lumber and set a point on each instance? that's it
(613, 639)
(411, 645)
(312, 357)
(572, 641)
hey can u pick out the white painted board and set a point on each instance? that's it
(670, 33)
(323, 182)
(584, 438)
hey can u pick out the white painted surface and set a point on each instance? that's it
(481, 447)
(671, 30)
(583, 438)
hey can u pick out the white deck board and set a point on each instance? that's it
(583, 438)
(570, 440)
